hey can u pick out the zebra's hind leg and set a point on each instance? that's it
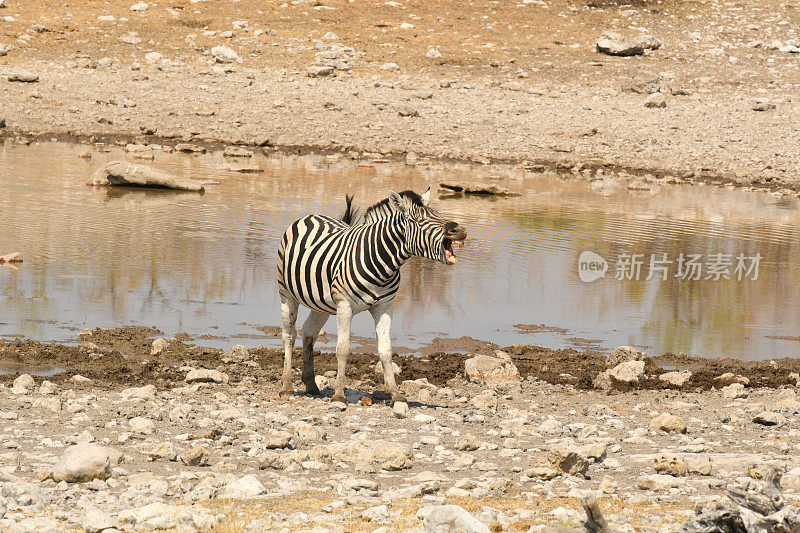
(344, 316)
(311, 328)
(289, 314)
(382, 314)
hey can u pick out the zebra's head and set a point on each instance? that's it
(427, 233)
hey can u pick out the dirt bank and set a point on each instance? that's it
(515, 82)
(122, 357)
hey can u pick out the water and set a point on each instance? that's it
(205, 264)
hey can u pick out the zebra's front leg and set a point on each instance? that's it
(311, 328)
(344, 316)
(382, 314)
(289, 315)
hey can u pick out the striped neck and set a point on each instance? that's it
(392, 242)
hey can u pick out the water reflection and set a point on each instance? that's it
(188, 262)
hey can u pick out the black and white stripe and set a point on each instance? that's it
(334, 267)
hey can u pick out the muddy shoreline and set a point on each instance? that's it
(585, 168)
(121, 357)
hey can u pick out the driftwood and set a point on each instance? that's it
(763, 511)
(748, 512)
(122, 173)
(476, 188)
(16, 257)
(595, 522)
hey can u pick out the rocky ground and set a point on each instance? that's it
(137, 433)
(478, 81)
(504, 440)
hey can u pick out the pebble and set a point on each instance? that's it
(433, 53)
(23, 76)
(657, 100)
(668, 423)
(223, 54)
(762, 104)
(400, 410)
(769, 418)
(318, 71)
(203, 375)
(159, 345)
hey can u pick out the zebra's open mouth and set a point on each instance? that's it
(449, 255)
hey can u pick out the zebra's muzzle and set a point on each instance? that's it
(455, 237)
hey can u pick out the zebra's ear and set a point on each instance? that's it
(426, 196)
(396, 202)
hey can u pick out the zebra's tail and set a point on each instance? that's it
(350, 214)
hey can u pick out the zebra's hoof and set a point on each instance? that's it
(285, 392)
(313, 391)
(339, 398)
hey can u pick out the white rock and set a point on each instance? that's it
(628, 372)
(243, 488)
(278, 439)
(378, 513)
(159, 516)
(400, 410)
(623, 354)
(452, 519)
(48, 388)
(614, 44)
(769, 418)
(791, 479)
(734, 391)
(660, 482)
(153, 57)
(159, 345)
(223, 54)
(669, 423)
(676, 378)
(487, 369)
(139, 6)
(433, 53)
(147, 392)
(96, 520)
(85, 462)
(35, 524)
(656, 100)
(142, 425)
(762, 104)
(202, 375)
(239, 352)
(24, 384)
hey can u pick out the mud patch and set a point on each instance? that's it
(103, 360)
(460, 344)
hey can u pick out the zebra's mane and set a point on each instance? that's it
(415, 198)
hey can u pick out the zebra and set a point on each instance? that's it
(334, 266)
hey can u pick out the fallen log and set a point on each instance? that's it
(749, 511)
(121, 173)
(16, 257)
(595, 521)
(477, 188)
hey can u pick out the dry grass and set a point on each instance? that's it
(242, 513)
